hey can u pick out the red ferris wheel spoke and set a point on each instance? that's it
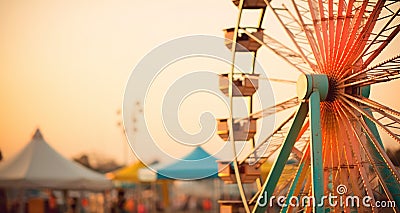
(305, 20)
(315, 14)
(384, 127)
(331, 33)
(343, 34)
(374, 39)
(338, 29)
(367, 28)
(351, 43)
(373, 105)
(384, 36)
(323, 24)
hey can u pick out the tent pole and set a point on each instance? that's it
(216, 193)
(21, 202)
(65, 197)
(80, 205)
(153, 198)
(105, 202)
(165, 193)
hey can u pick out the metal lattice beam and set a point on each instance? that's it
(297, 34)
(383, 72)
(287, 54)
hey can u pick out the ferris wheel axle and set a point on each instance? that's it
(308, 83)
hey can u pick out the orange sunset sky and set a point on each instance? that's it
(64, 65)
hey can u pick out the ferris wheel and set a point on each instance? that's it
(334, 133)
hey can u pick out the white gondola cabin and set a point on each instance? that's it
(246, 43)
(243, 84)
(243, 129)
(251, 4)
(248, 173)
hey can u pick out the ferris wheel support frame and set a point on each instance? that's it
(375, 151)
(311, 90)
(385, 171)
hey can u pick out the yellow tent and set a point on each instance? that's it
(130, 174)
(127, 173)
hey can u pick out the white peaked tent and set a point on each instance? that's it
(38, 165)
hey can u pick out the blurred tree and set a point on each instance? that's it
(84, 160)
(97, 162)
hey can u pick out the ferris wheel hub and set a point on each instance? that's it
(307, 83)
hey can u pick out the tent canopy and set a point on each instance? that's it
(149, 174)
(127, 173)
(196, 165)
(38, 165)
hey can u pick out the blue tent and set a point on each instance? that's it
(196, 165)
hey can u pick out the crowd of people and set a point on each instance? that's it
(128, 203)
(144, 200)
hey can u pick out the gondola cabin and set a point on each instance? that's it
(251, 4)
(248, 173)
(232, 206)
(246, 43)
(243, 84)
(243, 130)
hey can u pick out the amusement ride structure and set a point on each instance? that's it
(333, 134)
